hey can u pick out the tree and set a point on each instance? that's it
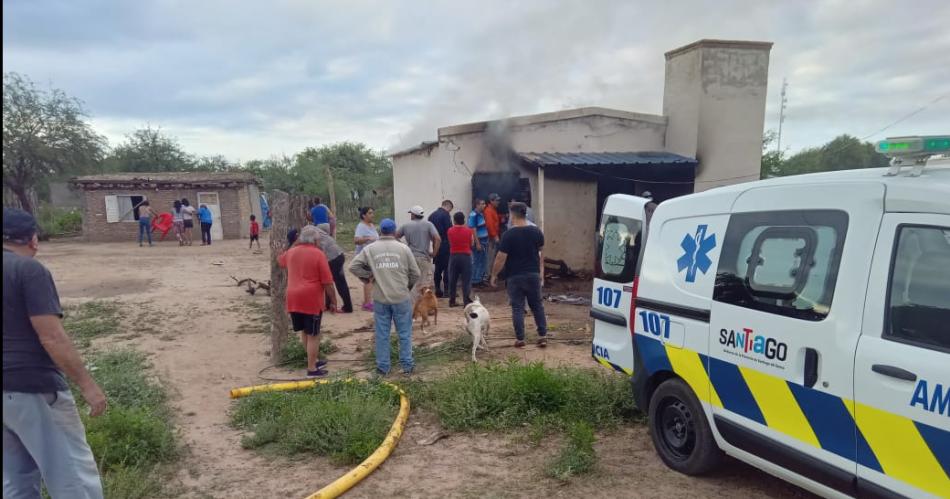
(355, 167)
(150, 150)
(771, 159)
(44, 133)
(215, 163)
(842, 153)
(275, 173)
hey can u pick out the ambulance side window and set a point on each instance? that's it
(782, 262)
(618, 248)
(918, 308)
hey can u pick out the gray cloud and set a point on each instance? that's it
(251, 79)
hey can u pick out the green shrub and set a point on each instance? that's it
(129, 437)
(344, 421)
(508, 395)
(577, 457)
(59, 221)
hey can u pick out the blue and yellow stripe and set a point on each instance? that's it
(907, 450)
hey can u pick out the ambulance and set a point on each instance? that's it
(798, 324)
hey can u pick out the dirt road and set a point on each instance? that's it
(203, 335)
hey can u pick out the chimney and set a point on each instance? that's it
(714, 99)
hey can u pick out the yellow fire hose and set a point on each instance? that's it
(361, 471)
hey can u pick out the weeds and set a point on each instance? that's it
(577, 457)
(136, 432)
(344, 421)
(501, 396)
(55, 221)
(426, 354)
(295, 355)
(92, 319)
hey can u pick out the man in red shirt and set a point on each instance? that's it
(309, 280)
(493, 223)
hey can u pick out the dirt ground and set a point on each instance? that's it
(204, 336)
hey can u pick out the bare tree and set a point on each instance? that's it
(44, 132)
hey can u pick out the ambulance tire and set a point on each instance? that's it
(680, 430)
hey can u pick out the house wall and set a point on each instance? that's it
(714, 97)
(95, 227)
(569, 221)
(444, 171)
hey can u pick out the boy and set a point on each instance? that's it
(255, 233)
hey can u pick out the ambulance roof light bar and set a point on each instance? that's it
(912, 151)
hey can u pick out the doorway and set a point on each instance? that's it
(210, 199)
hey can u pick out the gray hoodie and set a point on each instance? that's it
(391, 265)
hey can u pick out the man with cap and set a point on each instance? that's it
(43, 437)
(392, 267)
(493, 224)
(424, 241)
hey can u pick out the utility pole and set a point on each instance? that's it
(781, 116)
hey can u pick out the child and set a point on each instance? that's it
(461, 239)
(255, 233)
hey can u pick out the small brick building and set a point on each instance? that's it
(110, 201)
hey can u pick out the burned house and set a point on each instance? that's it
(565, 163)
(110, 201)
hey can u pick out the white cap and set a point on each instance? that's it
(417, 211)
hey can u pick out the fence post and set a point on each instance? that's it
(286, 211)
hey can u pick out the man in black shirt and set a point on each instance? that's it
(43, 437)
(442, 219)
(520, 254)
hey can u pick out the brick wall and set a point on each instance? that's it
(95, 227)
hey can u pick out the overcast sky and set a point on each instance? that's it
(252, 79)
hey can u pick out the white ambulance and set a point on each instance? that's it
(799, 324)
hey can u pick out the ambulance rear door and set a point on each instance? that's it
(619, 248)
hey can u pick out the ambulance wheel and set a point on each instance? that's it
(680, 431)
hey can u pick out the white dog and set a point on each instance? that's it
(477, 323)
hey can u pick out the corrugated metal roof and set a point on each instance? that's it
(546, 159)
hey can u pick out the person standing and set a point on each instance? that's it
(336, 258)
(309, 288)
(393, 267)
(493, 224)
(188, 219)
(364, 235)
(419, 235)
(461, 239)
(255, 233)
(206, 218)
(529, 213)
(43, 436)
(178, 222)
(320, 215)
(442, 220)
(520, 254)
(145, 222)
(476, 220)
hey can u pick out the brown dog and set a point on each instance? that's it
(426, 305)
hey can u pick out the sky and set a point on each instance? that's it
(250, 79)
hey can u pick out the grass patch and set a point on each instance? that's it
(577, 457)
(55, 222)
(344, 421)
(91, 320)
(136, 433)
(454, 349)
(294, 355)
(503, 396)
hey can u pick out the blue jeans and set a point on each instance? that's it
(145, 227)
(480, 262)
(522, 287)
(43, 438)
(384, 315)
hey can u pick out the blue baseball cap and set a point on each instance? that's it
(387, 226)
(18, 226)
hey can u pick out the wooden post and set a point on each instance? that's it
(286, 211)
(280, 224)
(332, 190)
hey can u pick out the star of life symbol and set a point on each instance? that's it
(695, 253)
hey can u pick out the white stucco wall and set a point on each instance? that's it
(427, 178)
(714, 98)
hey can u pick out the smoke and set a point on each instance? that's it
(498, 149)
